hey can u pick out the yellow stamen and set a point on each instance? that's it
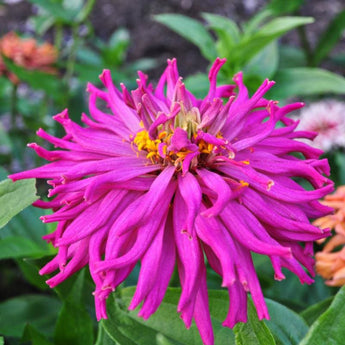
(142, 142)
(162, 135)
(244, 184)
(269, 185)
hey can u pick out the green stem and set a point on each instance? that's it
(308, 52)
(72, 54)
(58, 37)
(84, 13)
(14, 98)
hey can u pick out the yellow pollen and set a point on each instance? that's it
(244, 184)
(165, 147)
(162, 135)
(205, 147)
(151, 154)
(245, 162)
(182, 154)
(143, 142)
(269, 185)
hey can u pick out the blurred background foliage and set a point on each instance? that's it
(255, 43)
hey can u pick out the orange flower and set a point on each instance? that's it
(26, 53)
(330, 262)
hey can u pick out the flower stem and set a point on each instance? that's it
(84, 13)
(308, 52)
(14, 98)
(72, 54)
(58, 37)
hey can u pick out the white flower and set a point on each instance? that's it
(327, 118)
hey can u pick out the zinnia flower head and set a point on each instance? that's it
(26, 53)
(330, 262)
(164, 178)
(327, 120)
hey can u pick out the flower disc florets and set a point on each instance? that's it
(198, 149)
(167, 179)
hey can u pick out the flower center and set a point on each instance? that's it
(174, 147)
(178, 140)
(188, 120)
(157, 149)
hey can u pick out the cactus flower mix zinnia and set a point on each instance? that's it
(330, 262)
(158, 176)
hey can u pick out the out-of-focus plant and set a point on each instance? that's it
(111, 55)
(253, 48)
(86, 54)
(80, 57)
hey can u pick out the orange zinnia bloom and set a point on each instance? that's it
(26, 53)
(330, 263)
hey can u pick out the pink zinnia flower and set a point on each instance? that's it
(163, 178)
(327, 120)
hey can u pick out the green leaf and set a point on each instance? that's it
(88, 73)
(72, 7)
(329, 38)
(278, 7)
(74, 324)
(290, 292)
(20, 247)
(22, 236)
(85, 11)
(290, 56)
(198, 84)
(2, 341)
(102, 336)
(277, 27)
(162, 340)
(340, 163)
(114, 53)
(14, 197)
(253, 24)
(30, 269)
(329, 327)
(5, 141)
(253, 332)
(192, 30)
(36, 79)
(41, 23)
(35, 337)
(264, 64)
(88, 56)
(56, 10)
(314, 311)
(226, 29)
(125, 327)
(143, 64)
(287, 327)
(304, 81)
(38, 310)
(28, 225)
